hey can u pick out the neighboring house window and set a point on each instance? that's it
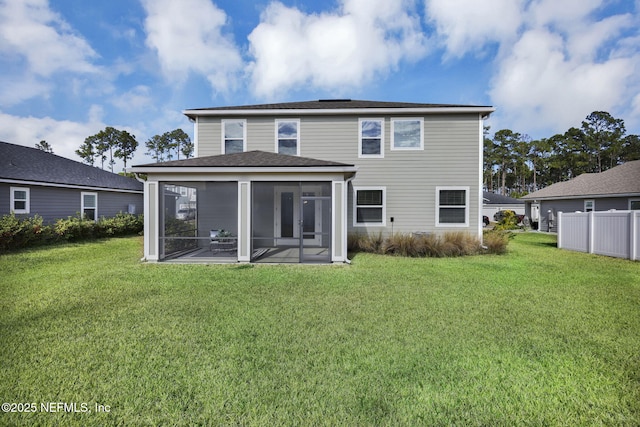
(234, 134)
(89, 206)
(589, 205)
(371, 138)
(634, 204)
(288, 137)
(369, 206)
(452, 206)
(407, 134)
(20, 200)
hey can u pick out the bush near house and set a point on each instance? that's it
(17, 233)
(449, 244)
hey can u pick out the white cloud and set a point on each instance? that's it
(466, 26)
(30, 30)
(188, 37)
(138, 98)
(65, 136)
(344, 49)
(557, 60)
(538, 86)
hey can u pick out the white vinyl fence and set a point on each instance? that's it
(612, 233)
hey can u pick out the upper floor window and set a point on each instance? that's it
(20, 200)
(407, 134)
(371, 138)
(452, 206)
(234, 136)
(288, 137)
(89, 206)
(369, 206)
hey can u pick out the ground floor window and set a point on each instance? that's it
(634, 204)
(452, 206)
(89, 206)
(369, 206)
(589, 205)
(20, 200)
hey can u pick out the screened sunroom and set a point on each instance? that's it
(246, 207)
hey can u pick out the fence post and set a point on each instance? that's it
(590, 231)
(559, 230)
(633, 252)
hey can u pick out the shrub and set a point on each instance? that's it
(19, 233)
(509, 221)
(16, 233)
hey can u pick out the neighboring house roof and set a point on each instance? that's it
(490, 198)
(248, 159)
(30, 165)
(331, 106)
(618, 181)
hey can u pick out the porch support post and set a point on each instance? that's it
(338, 222)
(151, 215)
(244, 221)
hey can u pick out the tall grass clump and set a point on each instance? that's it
(450, 244)
(496, 241)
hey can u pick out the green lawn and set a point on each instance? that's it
(535, 337)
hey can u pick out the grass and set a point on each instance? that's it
(538, 336)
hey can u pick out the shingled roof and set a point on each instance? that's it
(498, 199)
(621, 180)
(327, 105)
(20, 163)
(247, 159)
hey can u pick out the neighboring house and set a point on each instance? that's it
(617, 188)
(493, 203)
(288, 182)
(34, 182)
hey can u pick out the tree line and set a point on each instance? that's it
(110, 144)
(515, 164)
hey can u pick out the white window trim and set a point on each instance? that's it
(631, 201)
(355, 207)
(593, 205)
(223, 150)
(27, 205)
(466, 208)
(82, 207)
(407, 119)
(297, 135)
(370, 156)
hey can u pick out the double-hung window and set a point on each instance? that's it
(371, 133)
(407, 134)
(369, 206)
(452, 206)
(89, 206)
(589, 205)
(234, 136)
(288, 137)
(20, 200)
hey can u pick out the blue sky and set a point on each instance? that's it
(72, 67)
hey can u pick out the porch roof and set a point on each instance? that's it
(252, 160)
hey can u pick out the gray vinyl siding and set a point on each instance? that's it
(451, 157)
(52, 203)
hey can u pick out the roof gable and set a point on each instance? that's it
(20, 163)
(623, 179)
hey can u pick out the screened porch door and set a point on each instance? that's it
(297, 214)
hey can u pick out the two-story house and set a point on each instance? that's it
(288, 182)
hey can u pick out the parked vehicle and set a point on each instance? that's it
(185, 214)
(485, 220)
(497, 217)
